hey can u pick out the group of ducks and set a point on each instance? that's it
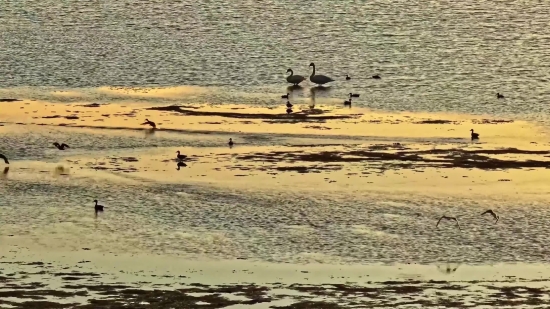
(489, 211)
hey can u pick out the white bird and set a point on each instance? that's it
(294, 79)
(319, 79)
(492, 213)
(448, 218)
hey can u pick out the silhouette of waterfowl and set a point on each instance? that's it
(319, 79)
(448, 218)
(152, 124)
(289, 110)
(376, 77)
(347, 103)
(347, 77)
(294, 79)
(230, 143)
(98, 208)
(492, 213)
(288, 104)
(353, 95)
(180, 156)
(62, 146)
(285, 96)
(5, 158)
(181, 164)
(500, 96)
(474, 135)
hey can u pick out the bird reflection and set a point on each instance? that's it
(318, 89)
(150, 132)
(293, 88)
(5, 173)
(180, 165)
(449, 269)
(60, 170)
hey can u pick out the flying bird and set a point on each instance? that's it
(448, 218)
(492, 213)
(62, 146)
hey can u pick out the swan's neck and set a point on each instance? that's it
(291, 73)
(313, 73)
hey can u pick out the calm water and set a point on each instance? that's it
(432, 55)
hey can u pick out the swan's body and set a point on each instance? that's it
(492, 213)
(354, 95)
(230, 143)
(347, 77)
(98, 208)
(5, 158)
(180, 156)
(288, 104)
(181, 164)
(152, 124)
(348, 103)
(376, 76)
(448, 218)
(319, 79)
(500, 96)
(474, 135)
(62, 146)
(285, 96)
(294, 79)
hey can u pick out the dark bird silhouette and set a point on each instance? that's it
(347, 77)
(62, 146)
(288, 104)
(500, 96)
(180, 156)
(474, 135)
(5, 158)
(152, 124)
(347, 103)
(492, 213)
(5, 172)
(376, 76)
(98, 208)
(181, 164)
(353, 95)
(285, 96)
(288, 110)
(230, 143)
(448, 218)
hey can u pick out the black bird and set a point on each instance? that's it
(347, 77)
(5, 158)
(181, 164)
(5, 172)
(180, 156)
(474, 135)
(448, 218)
(347, 103)
(492, 213)
(62, 146)
(376, 76)
(152, 124)
(230, 142)
(500, 96)
(353, 95)
(285, 96)
(288, 104)
(98, 208)
(288, 110)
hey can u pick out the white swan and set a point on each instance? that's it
(319, 79)
(294, 79)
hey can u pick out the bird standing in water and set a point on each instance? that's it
(152, 124)
(5, 158)
(62, 146)
(492, 213)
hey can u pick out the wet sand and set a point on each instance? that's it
(328, 207)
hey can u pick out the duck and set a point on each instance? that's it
(180, 165)
(5, 158)
(288, 110)
(98, 208)
(347, 77)
(180, 156)
(319, 79)
(285, 96)
(230, 143)
(152, 124)
(347, 103)
(376, 77)
(355, 95)
(294, 79)
(288, 104)
(474, 135)
(62, 146)
(500, 96)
